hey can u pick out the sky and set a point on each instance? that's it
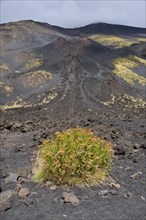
(75, 13)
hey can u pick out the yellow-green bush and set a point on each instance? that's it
(73, 157)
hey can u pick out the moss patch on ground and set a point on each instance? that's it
(127, 101)
(18, 103)
(111, 40)
(141, 39)
(4, 66)
(8, 89)
(123, 69)
(34, 63)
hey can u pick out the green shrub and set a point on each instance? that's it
(74, 157)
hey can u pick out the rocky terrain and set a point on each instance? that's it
(54, 78)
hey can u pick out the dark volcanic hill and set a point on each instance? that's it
(96, 68)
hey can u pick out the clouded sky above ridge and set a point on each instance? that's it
(75, 13)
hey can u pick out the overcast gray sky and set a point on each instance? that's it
(75, 13)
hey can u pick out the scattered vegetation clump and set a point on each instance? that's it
(123, 66)
(18, 103)
(49, 98)
(8, 89)
(128, 101)
(4, 66)
(36, 78)
(34, 63)
(73, 157)
(138, 102)
(1, 84)
(111, 40)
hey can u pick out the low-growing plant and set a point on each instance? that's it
(73, 157)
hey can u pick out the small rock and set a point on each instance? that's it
(128, 169)
(143, 146)
(102, 193)
(5, 204)
(28, 202)
(136, 146)
(9, 125)
(70, 198)
(23, 192)
(135, 160)
(12, 178)
(33, 193)
(49, 183)
(120, 151)
(86, 124)
(53, 187)
(2, 159)
(35, 137)
(135, 151)
(136, 175)
(18, 187)
(113, 192)
(143, 198)
(18, 149)
(116, 185)
(16, 125)
(28, 122)
(4, 130)
(129, 194)
(5, 196)
(4, 175)
(22, 172)
(129, 144)
(26, 128)
(22, 180)
(32, 145)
